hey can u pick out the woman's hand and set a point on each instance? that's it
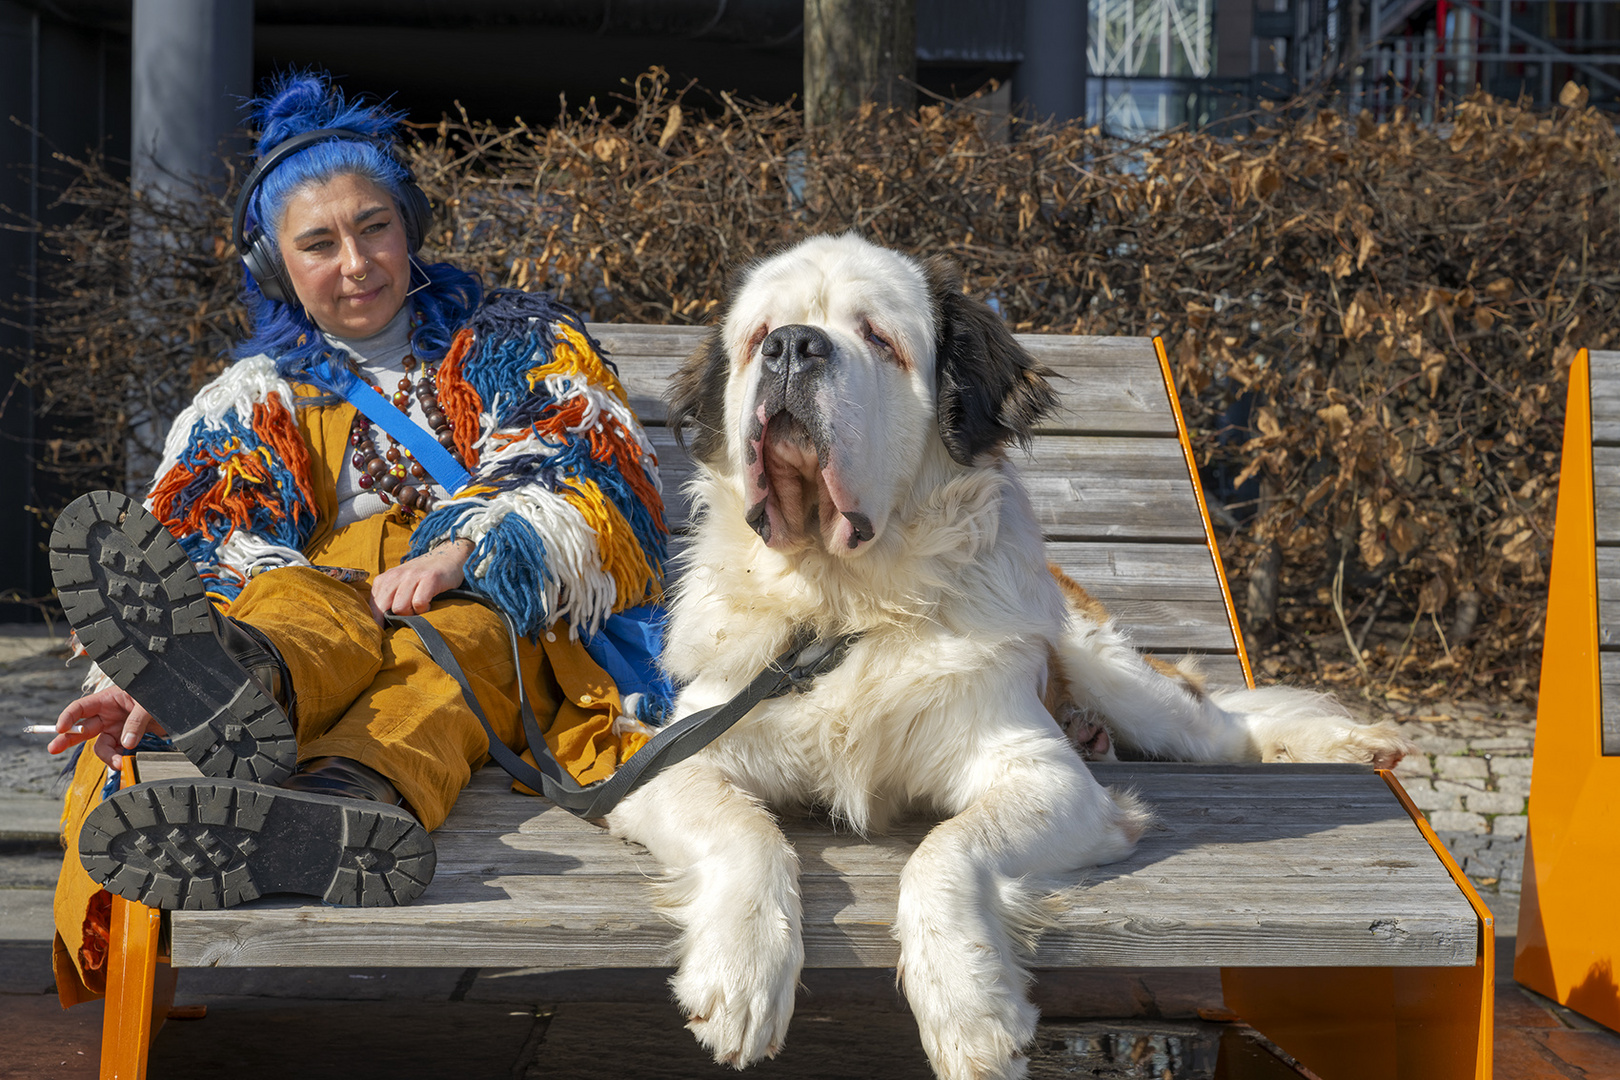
(410, 587)
(111, 717)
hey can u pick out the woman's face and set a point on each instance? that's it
(344, 245)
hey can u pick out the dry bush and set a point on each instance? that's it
(1371, 324)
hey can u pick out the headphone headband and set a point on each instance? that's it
(259, 254)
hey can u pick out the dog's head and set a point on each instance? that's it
(842, 372)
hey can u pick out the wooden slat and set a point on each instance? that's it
(1280, 866)
(1606, 492)
(1219, 669)
(1609, 673)
(1608, 579)
(1082, 487)
(1105, 385)
(1121, 488)
(1166, 595)
(1605, 371)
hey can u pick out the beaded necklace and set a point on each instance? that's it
(394, 474)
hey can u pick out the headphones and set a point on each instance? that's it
(259, 252)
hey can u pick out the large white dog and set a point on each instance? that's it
(850, 418)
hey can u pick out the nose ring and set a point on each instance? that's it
(360, 277)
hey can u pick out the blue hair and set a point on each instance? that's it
(445, 296)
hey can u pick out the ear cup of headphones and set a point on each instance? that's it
(263, 261)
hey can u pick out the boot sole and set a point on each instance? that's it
(140, 611)
(208, 844)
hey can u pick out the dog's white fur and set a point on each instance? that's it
(938, 708)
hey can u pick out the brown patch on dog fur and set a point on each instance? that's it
(1192, 680)
(1077, 596)
(1084, 727)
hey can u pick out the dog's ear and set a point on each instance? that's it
(697, 399)
(991, 391)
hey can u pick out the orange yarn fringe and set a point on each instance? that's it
(459, 401)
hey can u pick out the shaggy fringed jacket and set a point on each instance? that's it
(564, 506)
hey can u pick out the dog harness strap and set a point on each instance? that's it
(407, 432)
(793, 671)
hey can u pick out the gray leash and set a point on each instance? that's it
(806, 658)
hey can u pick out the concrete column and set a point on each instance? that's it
(1051, 81)
(192, 66)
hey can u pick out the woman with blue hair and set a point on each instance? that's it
(391, 441)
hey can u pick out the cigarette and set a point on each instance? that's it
(50, 729)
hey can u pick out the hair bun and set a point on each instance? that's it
(297, 101)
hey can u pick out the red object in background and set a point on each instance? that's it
(1440, 10)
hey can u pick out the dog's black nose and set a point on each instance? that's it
(795, 350)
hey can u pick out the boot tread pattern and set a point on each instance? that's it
(208, 844)
(134, 598)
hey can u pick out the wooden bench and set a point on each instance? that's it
(1569, 938)
(1341, 927)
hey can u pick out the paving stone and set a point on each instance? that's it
(1514, 785)
(1454, 767)
(1515, 1008)
(25, 915)
(1519, 1055)
(45, 1040)
(1414, 765)
(25, 968)
(1495, 802)
(1456, 821)
(1425, 798)
(1439, 744)
(30, 869)
(26, 817)
(1484, 864)
(1597, 1052)
(1512, 826)
(1465, 786)
(1500, 744)
(1512, 766)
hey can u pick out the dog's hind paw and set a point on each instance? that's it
(1285, 724)
(1380, 745)
(1088, 732)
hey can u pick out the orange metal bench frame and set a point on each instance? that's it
(1569, 934)
(1362, 1023)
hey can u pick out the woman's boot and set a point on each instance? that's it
(334, 830)
(139, 609)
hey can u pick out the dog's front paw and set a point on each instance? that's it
(977, 1036)
(736, 989)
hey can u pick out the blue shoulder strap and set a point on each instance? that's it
(407, 432)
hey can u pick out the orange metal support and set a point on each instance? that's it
(132, 965)
(1569, 936)
(1358, 1023)
(1203, 509)
(1386, 1023)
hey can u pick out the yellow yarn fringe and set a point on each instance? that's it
(622, 556)
(572, 354)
